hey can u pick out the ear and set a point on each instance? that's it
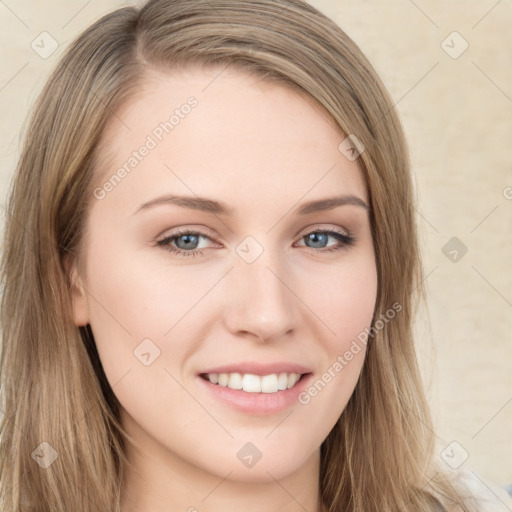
(78, 295)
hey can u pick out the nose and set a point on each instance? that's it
(261, 299)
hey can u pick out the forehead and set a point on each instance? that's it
(211, 130)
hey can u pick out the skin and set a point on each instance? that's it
(264, 150)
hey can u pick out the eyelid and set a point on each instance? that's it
(193, 228)
(185, 231)
(322, 227)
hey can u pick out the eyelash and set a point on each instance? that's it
(346, 241)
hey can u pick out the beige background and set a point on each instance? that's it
(457, 113)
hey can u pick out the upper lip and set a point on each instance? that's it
(258, 368)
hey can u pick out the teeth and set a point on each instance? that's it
(269, 383)
(254, 383)
(235, 381)
(251, 383)
(282, 381)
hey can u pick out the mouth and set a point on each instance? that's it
(251, 383)
(254, 388)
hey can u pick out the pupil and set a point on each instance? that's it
(314, 237)
(188, 238)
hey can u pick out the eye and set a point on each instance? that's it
(320, 237)
(186, 242)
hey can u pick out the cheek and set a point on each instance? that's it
(346, 307)
(133, 290)
(126, 308)
(345, 301)
(135, 311)
(348, 310)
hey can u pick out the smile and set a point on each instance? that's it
(251, 383)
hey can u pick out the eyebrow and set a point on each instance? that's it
(216, 207)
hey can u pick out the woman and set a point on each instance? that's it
(210, 304)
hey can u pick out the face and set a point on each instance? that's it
(232, 283)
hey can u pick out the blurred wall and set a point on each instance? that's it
(448, 67)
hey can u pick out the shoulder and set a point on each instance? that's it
(486, 495)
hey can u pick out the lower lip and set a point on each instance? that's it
(257, 403)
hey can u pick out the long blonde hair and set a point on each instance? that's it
(379, 455)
